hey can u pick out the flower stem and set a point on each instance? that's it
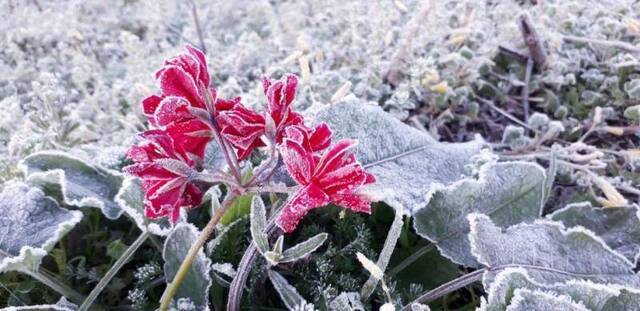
(448, 287)
(126, 256)
(172, 287)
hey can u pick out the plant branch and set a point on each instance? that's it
(172, 287)
(412, 258)
(126, 256)
(448, 287)
(614, 44)
(196, 21)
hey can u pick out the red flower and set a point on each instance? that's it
(334, 177)
(164, 171)
(280, 94)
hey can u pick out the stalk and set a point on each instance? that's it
(55, 285)
(172, 288)
(114, 270)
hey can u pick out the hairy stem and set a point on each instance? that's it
(172, 287)
(126, 256)
(448, 287)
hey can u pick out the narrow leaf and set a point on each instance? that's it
(258, 224)
(288, 294)
(303, 249)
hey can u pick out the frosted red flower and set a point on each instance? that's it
(165, 175)
(333, 177)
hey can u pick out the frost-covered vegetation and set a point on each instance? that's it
(502, 136)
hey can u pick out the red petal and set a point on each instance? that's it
(299, 162)
(174, 81)
(346, 178)
(299, 204)
(190, 137)
(335, 157)
(354, 202)
(320, 139)
(172, 109)
(202, 62)
(150, 104)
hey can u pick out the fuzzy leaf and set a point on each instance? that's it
(31, 223)
(509, 192)
(197, 282)
(81, 184)
(258, 224)
(527, 300)
(131, 201)
(213, 157)
(288, 294)
(406, 162)
(619, 227)
(549, 252)
(593, 296)
(347, 301)
(303, 249)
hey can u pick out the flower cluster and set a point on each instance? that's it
(188, 114)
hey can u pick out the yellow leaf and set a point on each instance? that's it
(614, 198)
(441, 87)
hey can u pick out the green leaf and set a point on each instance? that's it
(548, 252)
(509, 192)
(288, 294)
(240, 207)
(115, 249)
(619, 227)
(258, 224)
(198, 280)
(303, 249)
(81, 184)
(407, 163)
(31, 223)
(593, 296)
(130, 198)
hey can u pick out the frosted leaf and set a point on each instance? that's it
(213, 157)
(288, 294)
(81, 184)
(258, 223)
(130, 198)
(347, 301)
(593, 296)
(549, 252)
(304, 248)
(224, 268)
(509, 192)
(526, 300)
(407, 163)
(61, 305)
(197, 282)
(619, 227)
(31, 223)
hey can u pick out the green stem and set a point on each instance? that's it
(172, 287)
(55, 285)
(114, 270)
(448, 287)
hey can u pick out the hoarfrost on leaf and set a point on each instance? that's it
(619, 227)
(526, 300)
(288, 294)
(197, 282)
(81, 184)
(31, 223)
(130, 198)
(593, 296)
(407, 163)
(549, 252)
(509, 192)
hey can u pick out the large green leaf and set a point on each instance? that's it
(549, 252)
(31, 223)
(81, 184)
(131, 199)
(619, 227)
(509, 192)
(527, 300)
(593, 296)
(407, 163)
(196, 284)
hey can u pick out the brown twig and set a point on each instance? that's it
(533, 42)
